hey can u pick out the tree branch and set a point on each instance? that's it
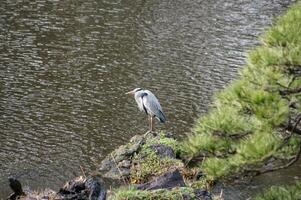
(285, 140)
(290, 91)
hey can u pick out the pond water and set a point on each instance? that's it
(65, 66)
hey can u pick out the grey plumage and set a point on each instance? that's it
(147, 102)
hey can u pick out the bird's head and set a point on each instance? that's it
(134, 91)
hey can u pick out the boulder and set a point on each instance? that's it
(90, 188)
(202, 194)
(163, 150)
(166, 181)
(118, 163)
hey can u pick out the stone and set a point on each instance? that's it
(118, 163)
(163, 150)
(168, 180)
(201, 194)
(90, 188)
(116, 173)
(124, 164)
(96, 187)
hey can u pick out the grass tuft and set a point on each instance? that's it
(160, 194)
(292, 192)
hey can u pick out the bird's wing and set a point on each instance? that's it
(151, 103)
(139, 100)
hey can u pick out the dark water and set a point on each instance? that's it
(65, 66)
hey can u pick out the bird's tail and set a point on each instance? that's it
(161, 117)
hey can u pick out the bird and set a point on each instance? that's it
(149, 104)
(16, 186)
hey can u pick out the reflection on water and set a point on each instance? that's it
(65, 66)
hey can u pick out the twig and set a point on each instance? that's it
(294, 129)
(124, 181)
(83, 172)
(297, 156)
(291, 82)
(297, 122)
(221, 194)
(233, 136)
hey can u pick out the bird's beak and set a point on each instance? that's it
(130, 92)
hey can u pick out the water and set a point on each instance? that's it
(65, 66)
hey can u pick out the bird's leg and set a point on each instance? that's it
(148, 121)
(151, 124)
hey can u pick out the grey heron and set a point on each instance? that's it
(148, 103)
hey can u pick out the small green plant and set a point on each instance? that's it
(292, 192)
(130, 193)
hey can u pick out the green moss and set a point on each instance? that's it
(162, 139)
(243, 125)
(292, 192)
(160, 194)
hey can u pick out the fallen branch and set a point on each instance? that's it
(123, 179)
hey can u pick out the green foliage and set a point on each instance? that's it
(160, 194)
(224, 119)
(289, 149)
(243, 125)
(204, 142)
(287, 31)
(258, 146)
(281, 193)
(216, 167)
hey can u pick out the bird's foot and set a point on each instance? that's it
(153, 133)
(147, 133)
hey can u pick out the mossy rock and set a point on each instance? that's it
(156, 156)
(144, 157)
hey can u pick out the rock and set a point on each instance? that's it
(166, 181)
(16, 187)
(96, 187)
(199, 194)
(45, 194)
(28, 194)
(90, 188)
(163, 150)
(116, 173)
(124, 164)
(73, 186)
(117, 164)
(202, 194)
